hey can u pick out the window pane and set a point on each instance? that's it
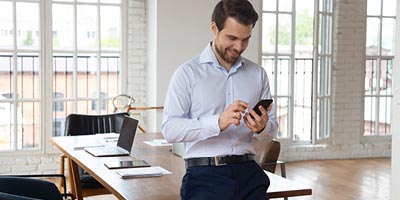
(284, 33)
(285, 5)
(268, 62)
(372, 36)
(110, 27)
(370, 76)
(85, 107)
(268, 33)
(323, 113)
(389, 8)
(109, 74)
(88, 1)
(282, 113)
(111, 1)
(302, 99)
(86, 75)
(326, 77)
(60, 115)
(283, 76)
(63, 82)
(63, 27)
(87, 27)
(6, 74)
(28, 75)
(369, 115)
(385, 81)
(374, 7)
(388, 30)
(6, 28)
(269, 5)
(29, 126)
(384, 115)
(28, 25)
(6, 125)
(304, 24)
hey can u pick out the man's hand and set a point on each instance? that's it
(258, 123)
(232, 114)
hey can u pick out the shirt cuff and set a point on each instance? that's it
(210, 125)
(263, 135)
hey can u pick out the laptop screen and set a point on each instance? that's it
(127, 134)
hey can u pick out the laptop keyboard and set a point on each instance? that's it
(111, 150)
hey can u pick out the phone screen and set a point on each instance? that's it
(264, 103)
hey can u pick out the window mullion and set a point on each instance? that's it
(14, 102)
(75, 59)
(314, 105)
(292, 71)
(98, 80)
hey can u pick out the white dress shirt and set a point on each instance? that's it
(199, 91)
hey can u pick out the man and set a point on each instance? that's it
(208, 108)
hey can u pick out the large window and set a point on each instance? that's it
(56, 57)
(378, 95)
(299, 76)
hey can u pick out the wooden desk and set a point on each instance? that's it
(157, 188)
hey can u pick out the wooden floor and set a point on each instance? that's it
(355, 179)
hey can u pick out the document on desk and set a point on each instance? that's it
(100, 140)
(158, 143)
(80, 145)
(142, 172)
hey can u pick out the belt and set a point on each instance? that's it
(218, 160)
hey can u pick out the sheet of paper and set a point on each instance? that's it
(142, 172)
(158, 142)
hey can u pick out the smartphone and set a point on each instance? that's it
(264, 103)
(118, 164)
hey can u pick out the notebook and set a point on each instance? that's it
(124, 144)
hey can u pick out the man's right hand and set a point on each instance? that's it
(232, 114)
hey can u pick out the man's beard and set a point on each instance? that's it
(224, 55)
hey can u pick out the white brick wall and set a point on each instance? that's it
(32, 164)
(137, 42)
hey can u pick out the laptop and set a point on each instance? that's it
(124, 144)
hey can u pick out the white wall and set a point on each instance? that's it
(178, 31)
(395, 179)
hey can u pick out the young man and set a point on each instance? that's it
(208, 107)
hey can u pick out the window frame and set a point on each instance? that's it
(45, 72)
(326, 119)
(376, 136)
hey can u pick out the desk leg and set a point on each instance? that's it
(76, 184)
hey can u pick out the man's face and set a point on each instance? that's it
(232, 40)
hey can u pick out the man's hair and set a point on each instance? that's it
(241, 10)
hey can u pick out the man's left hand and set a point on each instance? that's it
(257, 123)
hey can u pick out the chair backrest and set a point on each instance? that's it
(20, 187)
(80, 124)
(269, 155)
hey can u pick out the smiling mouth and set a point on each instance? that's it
(233, 53)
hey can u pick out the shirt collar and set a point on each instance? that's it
(208, 56)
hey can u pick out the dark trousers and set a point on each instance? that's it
(228, 182)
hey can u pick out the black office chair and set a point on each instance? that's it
(80, 124)
(24, 188)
